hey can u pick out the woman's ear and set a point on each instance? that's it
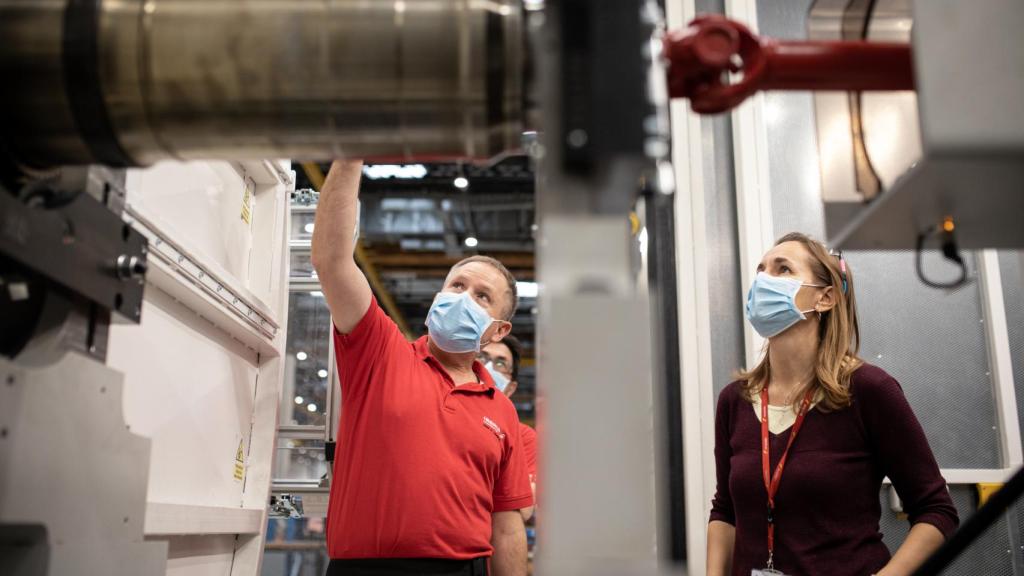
(827, 300)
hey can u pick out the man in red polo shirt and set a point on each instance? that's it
(502, 360)
(429, 474)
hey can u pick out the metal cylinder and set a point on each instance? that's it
(130, 82)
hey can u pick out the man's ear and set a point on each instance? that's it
(504, 329)
(511, 388)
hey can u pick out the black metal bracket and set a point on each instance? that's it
(80, 246)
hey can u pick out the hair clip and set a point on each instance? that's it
(842, 266)
(842, 270)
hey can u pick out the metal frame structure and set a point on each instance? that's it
(1001, 361)
(694, 314)
(313, 493)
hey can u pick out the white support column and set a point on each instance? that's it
(1000, 359)
(698, 395)
(753, 192)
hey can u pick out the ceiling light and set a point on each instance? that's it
(308, 228)
(299, 399)
(527, 289)
(471, 241)
(461, 183)
(322, 373)
(317, 293)
(402, 171)
(311, 407)
(301, 356)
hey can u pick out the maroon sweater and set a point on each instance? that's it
(827, 508)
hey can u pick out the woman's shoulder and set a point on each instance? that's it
(871, 382)
(733, 392)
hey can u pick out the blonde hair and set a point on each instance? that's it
(839, 332)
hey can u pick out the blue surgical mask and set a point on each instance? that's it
(456, 323)
(500, 380)
(771, 304)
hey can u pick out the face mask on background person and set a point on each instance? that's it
(500, 380)
(456, 323)
(771, 304)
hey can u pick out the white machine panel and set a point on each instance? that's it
(190, 389)
(203, 203)
(203, 370)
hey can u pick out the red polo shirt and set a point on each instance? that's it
(421, 463)
(529, 438)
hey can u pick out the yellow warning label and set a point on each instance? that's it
(240, 462)
(247, 201)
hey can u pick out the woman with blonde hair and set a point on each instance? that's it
(804, 439)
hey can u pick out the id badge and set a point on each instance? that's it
(767, 572)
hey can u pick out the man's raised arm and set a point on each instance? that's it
(347, 292)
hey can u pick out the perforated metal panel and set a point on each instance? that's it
(727, 295)
(991, 553)
(934, 343)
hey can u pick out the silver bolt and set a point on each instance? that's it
(130, 267)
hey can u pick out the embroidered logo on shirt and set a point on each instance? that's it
(494, 428)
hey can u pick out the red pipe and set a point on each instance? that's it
(701, 56)
(847, 66)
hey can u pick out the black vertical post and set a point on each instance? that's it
(661, 276)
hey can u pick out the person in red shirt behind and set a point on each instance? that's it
(429, 475)
(502, 360)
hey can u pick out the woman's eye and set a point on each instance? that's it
(786, 269)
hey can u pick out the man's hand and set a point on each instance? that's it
(343, 284)
(508, 537)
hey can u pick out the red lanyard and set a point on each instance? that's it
(771, 484)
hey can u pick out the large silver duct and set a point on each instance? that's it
(130, 82)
